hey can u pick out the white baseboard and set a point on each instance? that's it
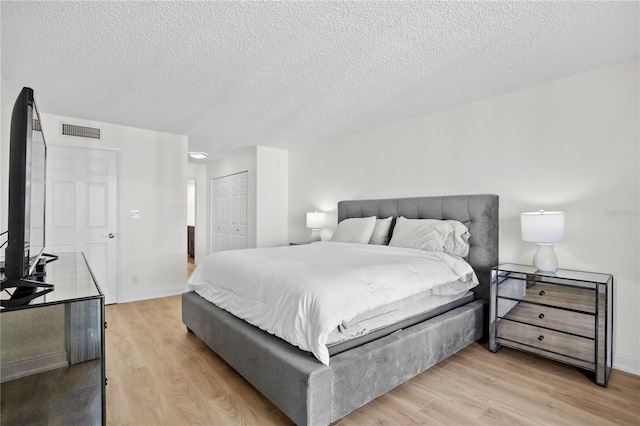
(154, 293)
(626, 363)
(27, 367)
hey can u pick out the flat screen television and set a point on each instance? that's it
(27, 200)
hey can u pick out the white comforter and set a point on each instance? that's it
(302, 293)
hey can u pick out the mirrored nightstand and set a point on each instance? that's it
(566, 316)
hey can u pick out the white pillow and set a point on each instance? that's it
(458, 242)
(381, 231)
(355, 230)
(424, 234)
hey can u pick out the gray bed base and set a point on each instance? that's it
(310, 393)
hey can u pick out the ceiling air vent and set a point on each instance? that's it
(80, 131)
(36, 126)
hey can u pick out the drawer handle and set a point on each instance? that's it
(541, 293)
(541, 316)
(541, 338)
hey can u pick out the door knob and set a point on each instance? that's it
(110, 235)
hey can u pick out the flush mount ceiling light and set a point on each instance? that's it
(198, 155)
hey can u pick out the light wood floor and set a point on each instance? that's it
(191, 266)
(161, 375)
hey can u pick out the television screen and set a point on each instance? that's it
(24, 272)
(27, 189)
(38, 173)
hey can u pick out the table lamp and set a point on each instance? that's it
(545, 229)
(315, 221)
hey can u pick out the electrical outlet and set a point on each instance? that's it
(135, 280)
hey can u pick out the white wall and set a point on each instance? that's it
(153, 176)
(198, 172)
(272, 197)
(267, 203)
(569, 145)
(191, 202)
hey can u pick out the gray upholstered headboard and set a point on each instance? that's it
(478, 212)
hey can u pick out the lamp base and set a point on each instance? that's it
(315, 235)
(545, 259)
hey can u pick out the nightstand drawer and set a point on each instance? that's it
(562, 296)
(553, 318)
(548, 340)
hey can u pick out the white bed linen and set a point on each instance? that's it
(302, 293)
(422, 302)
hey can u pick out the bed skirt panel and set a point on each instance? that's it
(364, 373)
(295, 382)
(310, 393)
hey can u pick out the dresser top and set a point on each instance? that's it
(563, 274)
(71, 279)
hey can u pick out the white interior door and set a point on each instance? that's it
(229, 212)
(82, 209)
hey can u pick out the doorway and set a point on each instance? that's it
(191, 225)
(82, 209)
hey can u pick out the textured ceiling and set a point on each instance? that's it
(237, 74)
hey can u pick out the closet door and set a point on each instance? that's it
(229, 212)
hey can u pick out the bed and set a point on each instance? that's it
(312, 393)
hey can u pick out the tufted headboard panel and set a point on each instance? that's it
(478, 212)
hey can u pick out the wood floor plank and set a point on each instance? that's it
(412, 394)
(121, 346)
(159, 374)
(397, 410)
(617, 413)
(532, 402)
(500, 414)
(516, 376)
(439, 412)
(118, 411)
(144, 394)
(440, 385)
(232, 410)
(277, 418)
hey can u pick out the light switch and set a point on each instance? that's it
(135, 214)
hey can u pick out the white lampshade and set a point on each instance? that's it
(542, 226)
(316, 220)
